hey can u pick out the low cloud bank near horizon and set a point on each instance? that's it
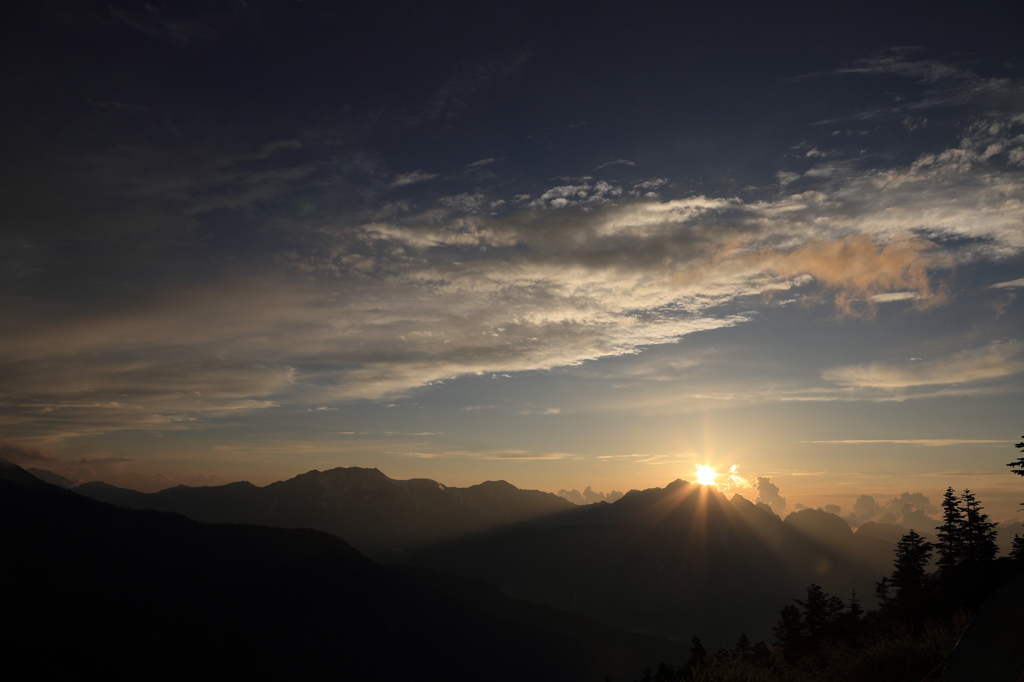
(589, 495)
(910, 510)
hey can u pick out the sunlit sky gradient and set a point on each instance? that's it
(564, 246)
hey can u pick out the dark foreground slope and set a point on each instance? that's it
(90, 587)
(380, 516)
(676, 561)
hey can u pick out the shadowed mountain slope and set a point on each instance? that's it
(676, 561)
(380, 516)
(95, 588)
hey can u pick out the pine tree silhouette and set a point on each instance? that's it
(979, 534)
(951, 544)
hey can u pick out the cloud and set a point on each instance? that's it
(465, 81)
(589, 495)
(174, 25)
(378, 302)
(895, 296)
(857, 268)
(522, 454)
(271, 148)
(575, 195)
(896, 62)
(616, 162)
(494, 454)
(975, 364)
(649, 184)
(78, 470)
(931, 442)
(22, 455)
(412, 178)
(543, 411)
(466, 202)
(944, 85)
(910, 510)
(768, 493)
(786, 177)
(1013, 284)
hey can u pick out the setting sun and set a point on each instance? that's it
(706, 475)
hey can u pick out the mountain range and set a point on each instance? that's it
(381, 517)
(96, 588)
(673, 561)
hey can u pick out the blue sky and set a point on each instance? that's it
(566, 247)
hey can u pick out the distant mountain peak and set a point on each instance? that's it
(362, 474)
(494, 485)
(51, 477)
(819, 523)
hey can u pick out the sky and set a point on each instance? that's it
(564, 245)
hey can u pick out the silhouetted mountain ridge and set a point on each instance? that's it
(676, 561)
(103, 589)
(380, 516)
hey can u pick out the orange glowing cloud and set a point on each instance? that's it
(857, 269)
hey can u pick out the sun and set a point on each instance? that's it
(706, 475)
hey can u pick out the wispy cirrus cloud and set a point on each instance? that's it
(494, 454)
(928, 442)
(971, 365)
(412, 178)
(373, 304)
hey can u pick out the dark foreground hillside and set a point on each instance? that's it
(93, 588)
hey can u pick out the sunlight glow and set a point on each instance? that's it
(706, 475)
(734, 480)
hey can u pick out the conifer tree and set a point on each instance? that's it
(882, 588)
(855, 609)
(698, 654)
(789, 633)
(1017, 551)
(815, 608)
(1019, 464)
(950, 545)
(911, 563)
(979, 534)
(743, 646)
